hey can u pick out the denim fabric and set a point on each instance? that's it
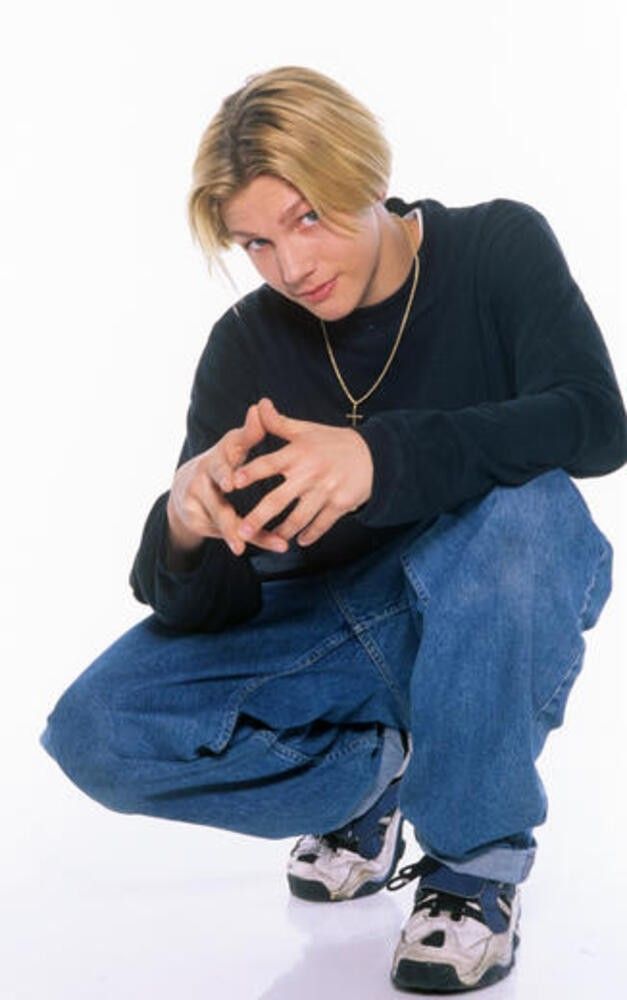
(467, 636)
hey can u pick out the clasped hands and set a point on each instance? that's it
(328, 469)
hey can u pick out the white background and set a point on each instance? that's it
(106, 305)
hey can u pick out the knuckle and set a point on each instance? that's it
(343, 501)
(288, 527)
(188, 506)
(256, 520)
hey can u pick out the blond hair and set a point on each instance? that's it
(300, 126)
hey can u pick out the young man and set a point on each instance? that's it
(371, 574)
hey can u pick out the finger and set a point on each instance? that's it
(269, 506)
(223, 517)
(253, 429)
(269, 540)
(220, 472)
(277, 423)
(227, 522)
(318, 527)
(237, 444)
(302, 516)
(261, 467)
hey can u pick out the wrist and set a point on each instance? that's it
(367, 467)
(179, 536)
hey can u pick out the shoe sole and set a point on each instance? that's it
(429, 977)
(317, 892)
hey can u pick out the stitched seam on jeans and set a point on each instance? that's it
(359, 624)
(415, 580)
(604, 556)
(377, 658)
(359, 743)
(240, 694)
(360, 632)
(363, 625)
(274, 744)
(568, 676)
(270, 738)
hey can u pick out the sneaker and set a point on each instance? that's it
(462, 933)
(356, 860)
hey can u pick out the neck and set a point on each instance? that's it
(400, 245)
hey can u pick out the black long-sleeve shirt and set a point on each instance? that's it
(502, 374)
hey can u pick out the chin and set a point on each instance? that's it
(332, 310)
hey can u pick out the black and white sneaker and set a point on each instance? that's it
(356, 860)
(462, 933)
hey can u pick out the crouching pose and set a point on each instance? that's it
(372, 572)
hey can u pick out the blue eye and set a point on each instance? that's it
(247, 246)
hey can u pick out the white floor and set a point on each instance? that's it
(102, 906)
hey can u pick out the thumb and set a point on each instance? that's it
(273, 421)
(253, 430)
(238, 442)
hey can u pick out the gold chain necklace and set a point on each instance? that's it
(355, 416)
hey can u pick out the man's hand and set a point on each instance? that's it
(328, 469)
(197, 507)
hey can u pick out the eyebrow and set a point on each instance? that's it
(288, 211)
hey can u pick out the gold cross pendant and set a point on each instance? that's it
(354, 416)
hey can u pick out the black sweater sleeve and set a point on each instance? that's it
(565, 409)
(220, 589)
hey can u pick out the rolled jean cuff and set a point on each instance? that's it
(499, 864)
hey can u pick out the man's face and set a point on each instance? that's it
(295, 252)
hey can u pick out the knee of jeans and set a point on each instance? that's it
(558, 527)
(77, 736)
(494, 536)
(548, 503)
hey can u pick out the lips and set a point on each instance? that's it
(312, 291)
(316, 294)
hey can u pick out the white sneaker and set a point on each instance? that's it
(462, 933)
(356, 860)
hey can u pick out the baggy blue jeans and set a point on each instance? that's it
(467, 636)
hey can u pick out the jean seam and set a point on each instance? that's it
(418, 585)
(360, 624)
(572, 670)
(270, 738)
(369, 644)
(361, 632)
(275, 745)
(603, 558)
(240, 695)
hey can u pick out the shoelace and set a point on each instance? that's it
(408, 873)
(481, 901)
(366, 842)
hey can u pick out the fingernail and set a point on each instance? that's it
(239, 479)
(224, 484)
(245, 531)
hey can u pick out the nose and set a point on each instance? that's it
(295, 267)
